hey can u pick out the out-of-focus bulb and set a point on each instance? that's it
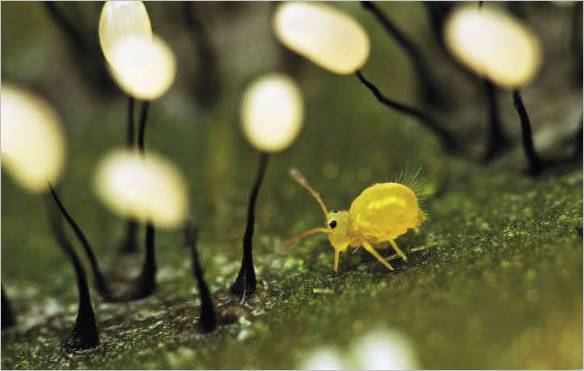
(494, 45)
(324, 35)
(33, 147)
(143, 67)
(121, 19)
(384, 349)
(272, 112)
(143, 187)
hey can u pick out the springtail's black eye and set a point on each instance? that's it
(333, 224)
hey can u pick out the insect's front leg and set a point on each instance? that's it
(336, 261)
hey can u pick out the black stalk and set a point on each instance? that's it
(8, 318)
(245, 284)
(130, 243)
(84, 334)
(497, 142)
(207, 316)
(142, 128)
(100, 283)
(207, 84)
(430, 92)
(431, 124)
(145, 284)
(535, 164)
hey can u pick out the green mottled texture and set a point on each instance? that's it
(494, 278)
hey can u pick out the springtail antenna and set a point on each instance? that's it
(302, 236)
(304, 183)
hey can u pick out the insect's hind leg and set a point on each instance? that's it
(398, 250)
(373, 252)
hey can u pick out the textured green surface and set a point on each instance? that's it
(494, 278)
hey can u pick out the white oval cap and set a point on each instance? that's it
(146, 188)
(33, 146)
(121, 19)
(272, 112)
(326, 36)
(143, 67)
(494, 45)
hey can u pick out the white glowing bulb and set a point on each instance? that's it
(324, 35)
(143, 67)
(144, 187)
(324, 358)
(272, 112)
(494, 45)
(384, 350)
(121, 19)
(33, 147)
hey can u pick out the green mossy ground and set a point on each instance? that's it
(494, 278)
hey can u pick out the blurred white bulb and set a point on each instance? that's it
(272, 112)
(121, 19)
(384, 350)
(494, 45)
(33, 147)
(144, 187)
(324, 358)
(324, 35)
(143, 67)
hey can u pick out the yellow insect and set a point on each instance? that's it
(381, 213)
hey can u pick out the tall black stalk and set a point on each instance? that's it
(8, 318)
(100, 283)
(497, 142)
(84, 334)
(145, 284)
(130, 243)
(245, 284)
(142, 127)
(207, 316)
(535, 164)
(447, 139)
(207, 84)
(430, 92)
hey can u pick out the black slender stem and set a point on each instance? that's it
(8, 318)
(142, 128)
(207, 316)
(497, 142)
(535, 164)
(145, 284)
(431, 124)
(84, 334)
(207, 84)
(130, 243)
(245, 284)
(100, 283)
(430, 92)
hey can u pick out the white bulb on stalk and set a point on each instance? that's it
(143, 67)
(144, 187)
(33, 146)
(324, 35)
(120, 19)
(494, 45)
(272, 112)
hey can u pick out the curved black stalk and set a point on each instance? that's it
(207, 317)
(245, 284)
(145, 284)
(429, 90)
(207, 84)
(142, 127)
(8, 319)
(535, 164)
(447, 139)
(497, 142)
(130, 243)
(100, 283)
(84, 51)
(84, 334)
